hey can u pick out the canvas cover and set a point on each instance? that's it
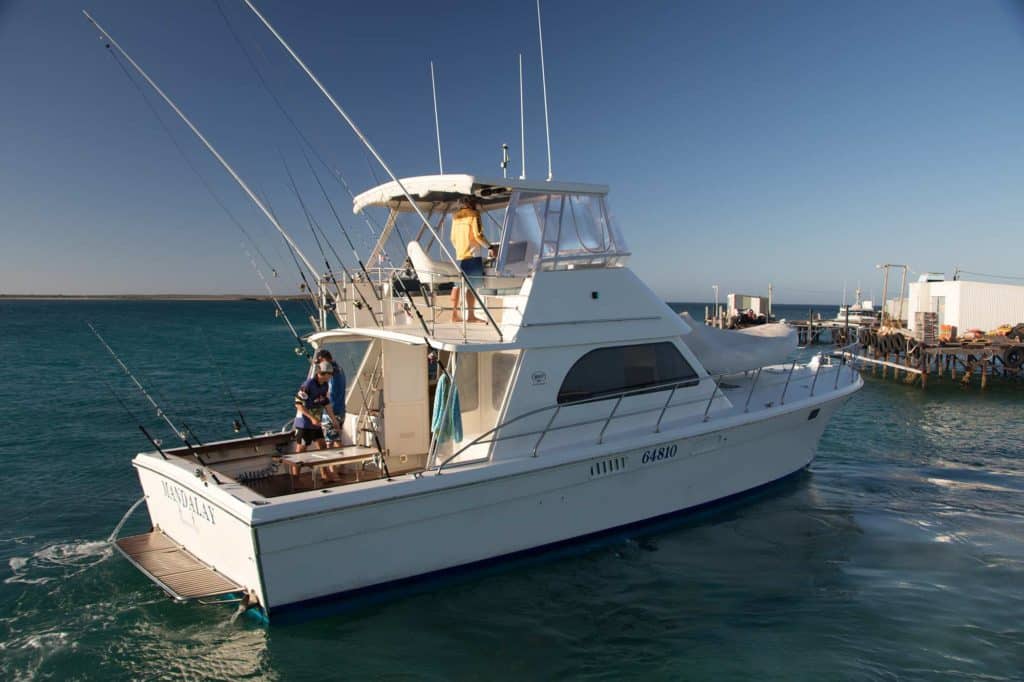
(726, 351)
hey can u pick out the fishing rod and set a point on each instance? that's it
(362, 303)
(352, 124)
(312, 221)
(341, 226)
(188, 161)
(470, 288)
(279, 312)
(131, 415)
(240, 422)
(366, 408)
(334, 172)
(266, 87)
(109, 41)
(415, 308)
(305, 211)
(181, 434)
(304, 284)
(216, 197)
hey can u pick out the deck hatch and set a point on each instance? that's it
(173, 568)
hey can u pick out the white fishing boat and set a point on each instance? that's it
(859, 312)
(583, 407)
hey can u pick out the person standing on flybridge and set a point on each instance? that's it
(467, 238)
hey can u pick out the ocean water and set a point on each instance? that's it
(899, 554)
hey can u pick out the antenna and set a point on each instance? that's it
(522, 120)
(544, 82)
(437, 124)
(504, 160)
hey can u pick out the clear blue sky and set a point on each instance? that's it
(744, 142)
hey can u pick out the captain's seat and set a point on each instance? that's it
(429, 271)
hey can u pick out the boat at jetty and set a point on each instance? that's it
(580, 405)
(860, 312)
(583, 410)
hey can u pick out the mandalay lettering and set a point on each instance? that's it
(659, 453)
(188, 502)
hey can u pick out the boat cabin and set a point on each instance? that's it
(572, 346)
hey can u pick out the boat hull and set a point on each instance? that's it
(309, 560)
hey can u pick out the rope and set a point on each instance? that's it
(124, 519)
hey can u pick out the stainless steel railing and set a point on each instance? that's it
(396, 298)
(493, 435)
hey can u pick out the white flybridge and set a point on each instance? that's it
(581, 408)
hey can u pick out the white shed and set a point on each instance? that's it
(968, 305)
(741, 303)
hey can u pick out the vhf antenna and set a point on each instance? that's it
(437, 123)
(522, 120)
(544, 82)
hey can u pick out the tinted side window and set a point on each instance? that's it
(466, 378)
(605, 371)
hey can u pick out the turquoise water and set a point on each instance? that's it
(898, 555)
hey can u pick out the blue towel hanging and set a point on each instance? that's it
(446, 424)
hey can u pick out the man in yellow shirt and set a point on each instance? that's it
(467, 238)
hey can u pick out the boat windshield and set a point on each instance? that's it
(559, 231)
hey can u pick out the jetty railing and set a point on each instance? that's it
(493, 435)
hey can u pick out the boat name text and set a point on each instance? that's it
(189, 502)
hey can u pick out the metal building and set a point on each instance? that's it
(967, 304)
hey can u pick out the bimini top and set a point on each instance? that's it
(437, 191)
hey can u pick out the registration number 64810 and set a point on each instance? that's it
(659, 453)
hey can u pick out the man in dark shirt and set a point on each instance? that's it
(312, 399)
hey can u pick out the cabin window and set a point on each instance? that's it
(559, 231)
(466, 378)
(608, 371)
(502, 365)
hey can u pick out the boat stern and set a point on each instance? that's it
(201, 544)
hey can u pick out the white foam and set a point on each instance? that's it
(61, 560)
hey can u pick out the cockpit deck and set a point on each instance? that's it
(264, 464)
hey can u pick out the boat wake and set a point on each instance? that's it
(58, 561)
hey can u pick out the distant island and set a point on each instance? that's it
(146, 297)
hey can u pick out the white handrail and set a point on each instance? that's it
(556, 409)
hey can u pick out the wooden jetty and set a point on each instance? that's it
(814, 331)
(895, 349)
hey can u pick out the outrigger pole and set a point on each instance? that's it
(107, 37)
(333, 171)
(377, 156)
